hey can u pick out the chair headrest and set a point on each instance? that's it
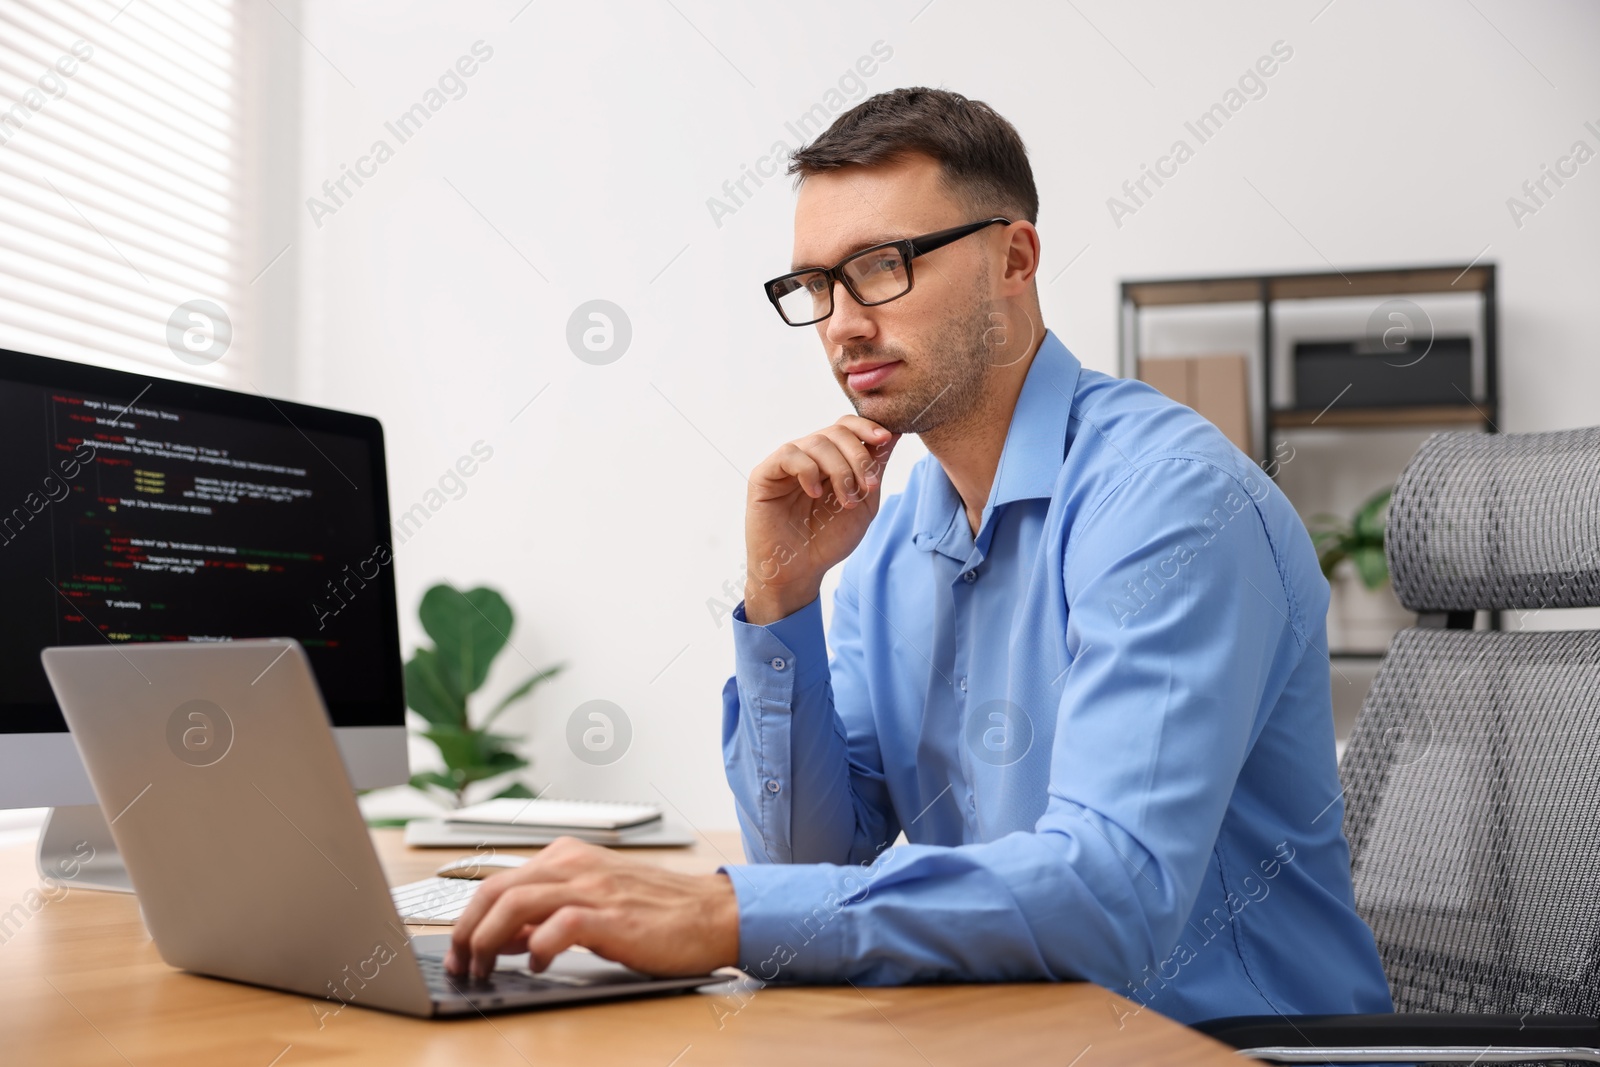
(1483, 521)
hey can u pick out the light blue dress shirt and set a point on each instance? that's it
(1103, 725)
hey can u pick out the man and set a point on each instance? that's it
(1079, 663)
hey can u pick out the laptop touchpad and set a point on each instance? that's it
(575, 967)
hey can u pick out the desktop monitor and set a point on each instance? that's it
(135, 508)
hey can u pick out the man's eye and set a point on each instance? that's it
(818, 285)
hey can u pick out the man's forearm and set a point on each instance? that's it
(787, 759)
(1018, 909)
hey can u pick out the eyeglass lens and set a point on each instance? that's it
(876, 275)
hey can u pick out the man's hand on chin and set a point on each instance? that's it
(656, 921)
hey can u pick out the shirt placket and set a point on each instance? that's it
(963, 595)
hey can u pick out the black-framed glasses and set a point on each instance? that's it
(872, 276)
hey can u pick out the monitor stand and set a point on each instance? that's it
(76, 851)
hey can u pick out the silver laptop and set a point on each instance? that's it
(217, 769)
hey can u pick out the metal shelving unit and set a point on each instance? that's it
(1266, 292)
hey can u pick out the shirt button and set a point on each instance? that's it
(772, 785)
(962, 683)
(778, 664)
(969, 577)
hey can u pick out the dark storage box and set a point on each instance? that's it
(1422, 374)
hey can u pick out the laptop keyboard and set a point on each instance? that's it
(486, 991)
(433, 901)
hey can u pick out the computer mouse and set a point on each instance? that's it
(479, 866)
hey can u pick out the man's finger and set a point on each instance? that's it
(794, 461)
(834, 463)
(517, 942)
(567, 926)
(536, 870)
(865, 469)
(555, 862)
(518, 906)
(864, 428)
(483, 898)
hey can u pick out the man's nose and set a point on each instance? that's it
(849, 321)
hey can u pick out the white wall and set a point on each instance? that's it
(585, 150)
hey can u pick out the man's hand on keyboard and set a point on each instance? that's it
(572, 893)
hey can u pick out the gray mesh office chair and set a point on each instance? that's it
(1472, 780)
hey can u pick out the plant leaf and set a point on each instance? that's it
(428, 782)
(1331, 558)
(423, 779)
(1322, 537)
(460, 749)
(1371, 565)
(515, 790)
(426, 693)
(1324, 519)
(1370, 520)
(504, 760)
(503, 763)
(468, 629)
(472, 755)
(523, 690)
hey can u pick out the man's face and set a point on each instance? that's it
(919, 361)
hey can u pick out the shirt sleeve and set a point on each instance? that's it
(1156, 715)
(808, 788)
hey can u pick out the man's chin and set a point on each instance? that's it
(886, 411)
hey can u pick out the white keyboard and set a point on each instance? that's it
(433, 901)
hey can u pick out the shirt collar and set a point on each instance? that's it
(1036, 444)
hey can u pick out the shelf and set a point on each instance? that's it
(1431, 415)
(1380, 283)
(1218, 291)
(1352, 654)
(1258, 295)
(1464, 278)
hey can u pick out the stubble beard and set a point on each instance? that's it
(941, 389)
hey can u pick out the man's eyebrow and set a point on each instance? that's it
(865, 242)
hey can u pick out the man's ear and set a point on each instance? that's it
(1022, 259)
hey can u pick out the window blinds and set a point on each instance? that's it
(120, 196)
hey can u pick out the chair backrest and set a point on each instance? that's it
(1472, 779)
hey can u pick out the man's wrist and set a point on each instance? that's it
(766, 604)
(725, 921)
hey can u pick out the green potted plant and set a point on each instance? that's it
(1362, 613)
(469, 629)
(1360, 540)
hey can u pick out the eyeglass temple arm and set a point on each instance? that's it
(940, 238)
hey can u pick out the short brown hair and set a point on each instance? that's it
(981, 155)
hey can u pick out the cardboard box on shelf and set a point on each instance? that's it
(1216, 386)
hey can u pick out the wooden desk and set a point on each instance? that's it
(81, 984)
